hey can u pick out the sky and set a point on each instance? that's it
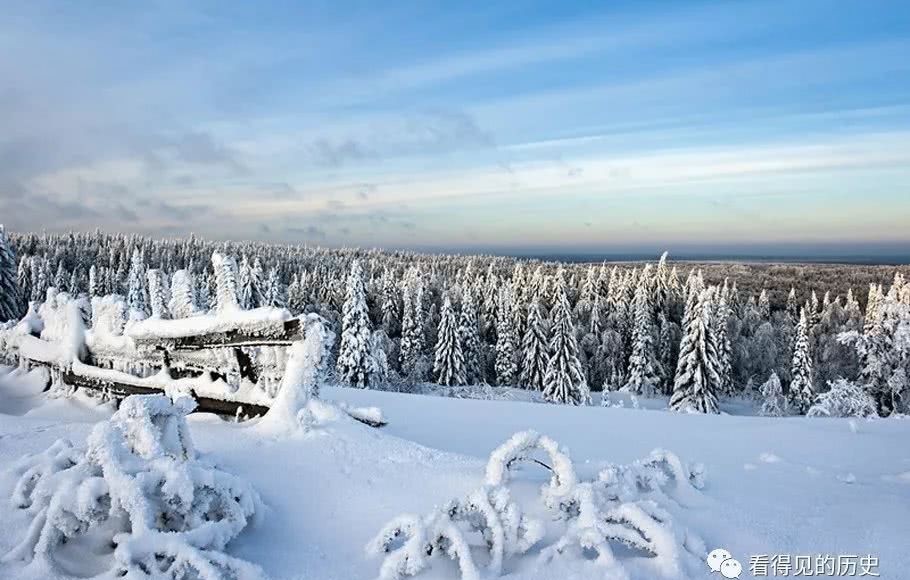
(516, 127)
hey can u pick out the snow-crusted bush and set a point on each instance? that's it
(138, 497)
(844, 399)
(622, 506)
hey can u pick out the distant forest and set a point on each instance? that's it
(694, 332)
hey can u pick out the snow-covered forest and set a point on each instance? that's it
(561, 331)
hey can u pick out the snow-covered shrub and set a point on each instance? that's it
(844, 399)
(409, 542)
(622, 506)
(139, 495)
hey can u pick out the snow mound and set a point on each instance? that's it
(139, 498)
(624, 505)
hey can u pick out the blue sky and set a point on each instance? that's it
(505, 126)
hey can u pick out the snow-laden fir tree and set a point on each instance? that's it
(722, 315)
(564, 381)
(413, 340)
(273, 295)
(61, 278)
(297, 293)
(793, 305)
(40, 279)
(245, 289)
(257, 281)
(24, 282)
(10, 303)
(136, 294)
(448, 364)
(225, 268)
(158, 293)
(697, 377)
(468, 337)
(390, 308)
(764, 305)
(355, 365)
(93, 283)
(203, 291)
(506, 340)
(534, 350)
(644, 372)
(774, 403)
(183, 301)
(801, 394)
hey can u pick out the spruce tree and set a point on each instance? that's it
(93, 282)
(10, 303)
(534, 350)
(274, 295)
(24, 282)
(506, 340)
(245, 288)
(158, 293)
(225, 294)
(468, 337)
(564, 380)
(801, 394)
(355, 365)
(448, 365)
(644, 373)
(774, 404)
(697, 379)
(135, 296)
(722, 314)
(413, 340)
(183, 301)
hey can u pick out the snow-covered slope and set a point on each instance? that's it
(794, 486)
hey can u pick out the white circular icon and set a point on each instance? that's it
(731, 568)
(717, 557)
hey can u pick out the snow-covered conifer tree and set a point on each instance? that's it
(355, 365)
(135, 296)
(564, 381)
(245, 288)
(534, 349)
(793, 305)
(24, 281)
(413, 339)
(10, 304)
(274, 295)
(801, 393)
(697, 378)
(225, 268)
(468, 337)
(774, 403)
(158, 293)
(644, 372)
(448, 365)
(506, 340)
(722, 314)
(764, 305)
(61, 278)
(183, 301)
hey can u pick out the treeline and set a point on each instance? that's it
(403, 318)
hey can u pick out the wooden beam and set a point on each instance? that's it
(290, 331)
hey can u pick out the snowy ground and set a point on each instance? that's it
(793, 486)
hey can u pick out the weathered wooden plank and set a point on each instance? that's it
(222, 407)
(203, 404)
(290, 331)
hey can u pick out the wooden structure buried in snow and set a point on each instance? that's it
(230, 364)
